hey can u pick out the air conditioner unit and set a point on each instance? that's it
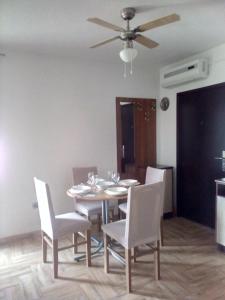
(193, 70)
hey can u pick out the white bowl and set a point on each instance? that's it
(105, 184)
(80, 189)
(128, 182)
(99, 180)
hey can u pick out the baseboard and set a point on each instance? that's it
(221, 247)
(36, 233)
(14, 238)
(168, 215)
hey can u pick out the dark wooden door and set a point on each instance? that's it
(136, 136)
(200, 139)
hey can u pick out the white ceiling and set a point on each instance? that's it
(59, 27)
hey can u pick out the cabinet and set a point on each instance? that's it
(168, 200)
(220, 213)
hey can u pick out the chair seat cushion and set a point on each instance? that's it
(116, 230)
(123, 207)
(69, 223)
(89, 208)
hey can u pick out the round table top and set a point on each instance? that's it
(97, 197)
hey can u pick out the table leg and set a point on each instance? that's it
(105, 220)
(105, 212)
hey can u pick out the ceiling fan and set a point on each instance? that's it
(128, 35)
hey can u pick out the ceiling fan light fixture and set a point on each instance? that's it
(130, 35)
(128, 54)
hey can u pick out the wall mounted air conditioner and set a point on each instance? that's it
(193, 70)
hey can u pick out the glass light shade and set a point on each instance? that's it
(128, 54)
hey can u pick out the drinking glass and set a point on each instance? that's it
(109, 174)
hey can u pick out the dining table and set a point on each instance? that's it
(104, 197)
(101, 196)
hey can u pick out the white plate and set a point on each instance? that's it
(80, 189)
(128, 182)
(116, 191)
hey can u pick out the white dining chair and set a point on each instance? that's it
(153, 175)
(53, 226)
(141, 226)
(88, 208)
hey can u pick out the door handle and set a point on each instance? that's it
(218, 158)
(123, 151)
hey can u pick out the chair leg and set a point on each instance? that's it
(75, 236)
(135, 250)
(128, 269)
(44, 248)
(157, 261)
(106, 253)
(55, 257)
(161, 232)
(112, 215)
(88, 248)
(99, 223)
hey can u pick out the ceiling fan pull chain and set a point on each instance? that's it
(125, 70)
(131, 66)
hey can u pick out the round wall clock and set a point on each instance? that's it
(164, 103)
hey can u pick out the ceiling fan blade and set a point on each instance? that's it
(105, 42)
(105, 24)
(146, 41)
(158, 22)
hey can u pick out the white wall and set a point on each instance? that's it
(166, 120)
(56, 113)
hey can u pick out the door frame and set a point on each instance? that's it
(118, 125)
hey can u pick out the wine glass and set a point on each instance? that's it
(90, 178)
(115, 177)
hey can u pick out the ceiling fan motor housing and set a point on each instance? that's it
(128, 13)
(127, 35)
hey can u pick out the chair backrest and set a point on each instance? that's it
(80, 175)
(45, 207)
(154, 175)
(144, 206)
